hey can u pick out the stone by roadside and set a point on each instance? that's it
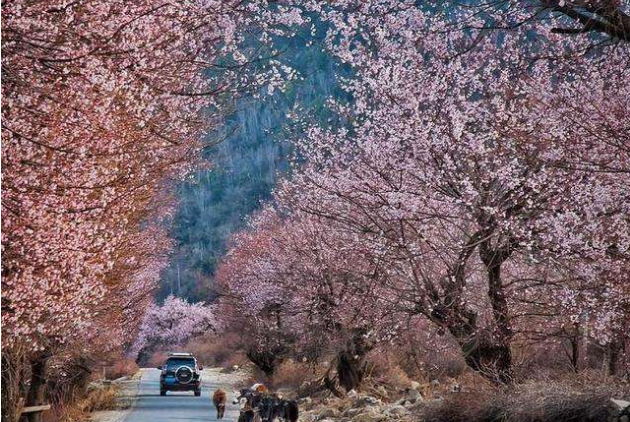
(619, 410)
(362, 408)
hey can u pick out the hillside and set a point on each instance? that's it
(245, 167)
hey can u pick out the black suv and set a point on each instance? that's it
(180, 372)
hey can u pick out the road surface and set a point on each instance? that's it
(180, 406)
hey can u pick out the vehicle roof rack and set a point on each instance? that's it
(182, 354)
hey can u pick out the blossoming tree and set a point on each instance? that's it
(476, 162)
(172, 324)
(104, 104)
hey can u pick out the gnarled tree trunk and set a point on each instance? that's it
(485, 351)
(37, 390)
(499, 352)
(614, 350)
(351, 361)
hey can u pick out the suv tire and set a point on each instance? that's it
(184, 375)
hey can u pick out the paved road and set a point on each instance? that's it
(179, 406)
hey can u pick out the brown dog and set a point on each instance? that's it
(260, 388)
(219, 398)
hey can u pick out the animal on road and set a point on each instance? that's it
(247, 398)
(219, 398)
(267, 407)
(272, 408)
(260, 388)
(286, 410)
(257, 404)
(248, 416)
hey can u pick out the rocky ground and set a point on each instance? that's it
(380, 408)
(359, 407)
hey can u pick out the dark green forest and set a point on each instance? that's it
(253, 152)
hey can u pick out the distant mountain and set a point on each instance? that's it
(245, 167)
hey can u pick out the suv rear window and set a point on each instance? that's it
(174, 363)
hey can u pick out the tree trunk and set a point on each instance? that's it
(331, 384)
(500, 351)
(584, 342)
(350, 370)
(13, 365)
(575, 353)
(491, 359)
(487, 352)
(482, 350)
(351, 362)
(613, 352)
(265, 360)
(37, 391)
(574, 337)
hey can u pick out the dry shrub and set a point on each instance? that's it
(98, 399)
(544, 361)
(210, 350)
(217, 350)
(568, 401)
(383, 368)
(444, 363)
(473, 381)
(461, 407)
(290, 378)
(68, 378)
(556, 402)
(123, 367)
(15, 370)
(291, 375)
(256, 375)
(425, 353)
(157, 359)
(213, 350)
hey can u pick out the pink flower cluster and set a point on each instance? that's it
(174, 322)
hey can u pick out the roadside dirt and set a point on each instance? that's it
(126, 397)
